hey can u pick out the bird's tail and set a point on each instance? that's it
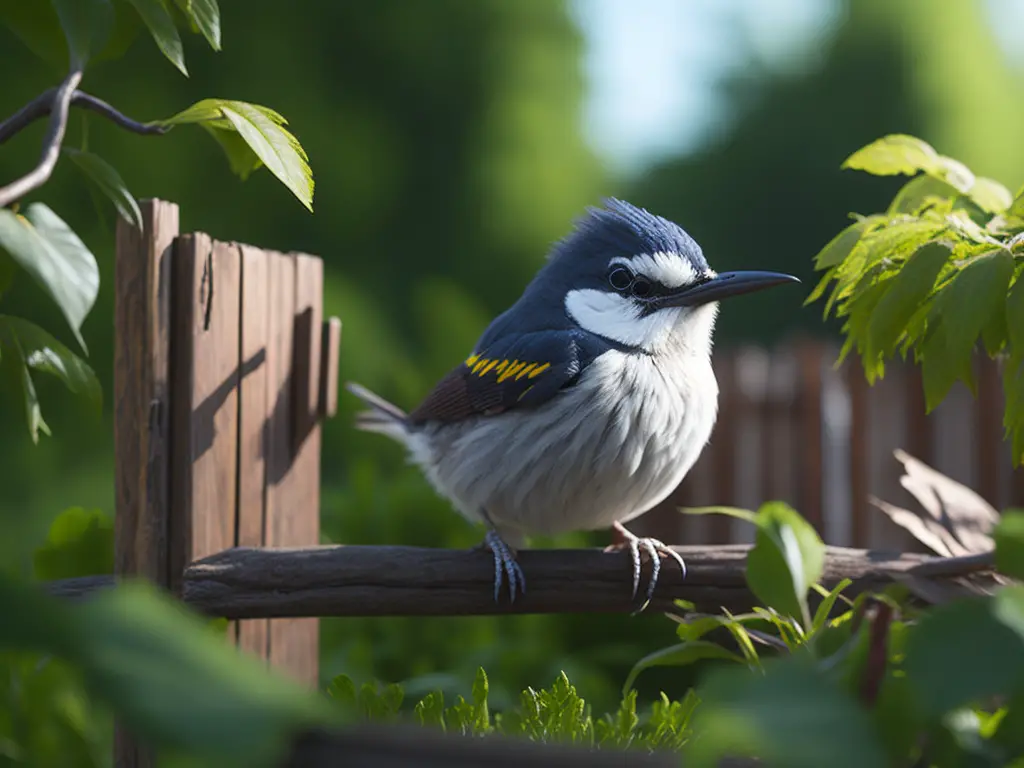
(382, 416)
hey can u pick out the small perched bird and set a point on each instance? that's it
(584, 404)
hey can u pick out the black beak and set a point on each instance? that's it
(723, 286)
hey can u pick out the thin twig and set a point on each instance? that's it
(60, 103)
(41, 105)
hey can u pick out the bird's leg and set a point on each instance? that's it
(504, 562)
(651, 547)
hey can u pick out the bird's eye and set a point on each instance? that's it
(641, 288)
(620, 278)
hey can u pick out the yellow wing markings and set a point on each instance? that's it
(539, 370)
(504, 369)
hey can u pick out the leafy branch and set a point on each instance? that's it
(67, 34)
(937, 273)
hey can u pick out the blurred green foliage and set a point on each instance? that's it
(448, 154)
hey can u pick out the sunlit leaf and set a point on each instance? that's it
(241, 158)
(109, 182)
(839, 247)
(45, 247)
(990, 195)
(943, 676)
(263, 131)
(788, 556)
(740, 514)
(894, 154)
(45, 354)
(921, 191)
(161, 26)
(206, 16)
(87, 25)
(825, 606)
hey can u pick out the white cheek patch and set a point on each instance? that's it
(669, 269)
(615, 317)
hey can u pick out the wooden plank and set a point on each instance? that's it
(859, 435)
(811, 438)
(252, 418)
(142, 294)
(988, 428)
(205, 354)
(293, 448)
(330, 349)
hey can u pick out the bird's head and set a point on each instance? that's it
(639, 280)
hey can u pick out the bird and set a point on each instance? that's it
(585, 403)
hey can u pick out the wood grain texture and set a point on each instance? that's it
(142, 295)
(205, 415)
(252, 423)
(332, 580)
(330, 350)
(293, 442)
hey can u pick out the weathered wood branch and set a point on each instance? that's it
(244, 583)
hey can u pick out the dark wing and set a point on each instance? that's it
(509, 373)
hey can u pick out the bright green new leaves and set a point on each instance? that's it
(957, 317)
(109, 182)
(680, 655)
(791, 715)
(787, 558)
(1009, 540)
(45, 247)
(933, 276)
(962, 652)
(263, 131)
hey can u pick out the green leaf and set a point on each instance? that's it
(87, 25)
(161, 26)
(45, 354)
(430, 710)
(919, 192)
(109, 182)
(37, 25)
(263, 131)
(787, 558)
(825, 606)
(241, 158)
(482, 717)
(839, 247)
(943, 676)
(1009, 540)
(206, 16)
(959, 315)
(45, 247)
(894, 154)
(177, 686)
(741, 514)
(791, 715)
(126, 28)
(80, 543)
(680, 655)
(15, 368)
(990, 195)
(906, 292)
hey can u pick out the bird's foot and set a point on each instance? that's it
(650, 547)
(505, 566)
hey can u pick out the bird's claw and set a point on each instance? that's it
(653, 548)
(505, 565)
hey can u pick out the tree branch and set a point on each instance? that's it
(43, 103)
(59, 105)
(245, 583)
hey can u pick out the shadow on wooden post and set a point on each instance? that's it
(223, 370)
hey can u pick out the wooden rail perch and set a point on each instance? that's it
(246, 583)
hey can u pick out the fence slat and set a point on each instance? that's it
(252, 416)
(142, 290)
(205, 355)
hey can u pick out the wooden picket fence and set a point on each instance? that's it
(225, 367)
(793, 427)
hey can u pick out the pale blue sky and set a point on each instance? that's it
(651, 64)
